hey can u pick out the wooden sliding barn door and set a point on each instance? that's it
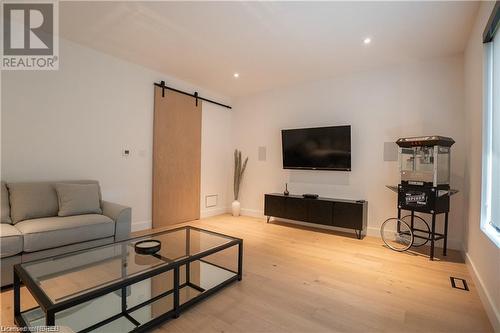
(176, 158)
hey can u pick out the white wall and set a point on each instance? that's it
(419, 99)
(74, 123)
(216, 157)
(482, 254)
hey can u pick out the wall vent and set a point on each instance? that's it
(459, 283)
(211, 200)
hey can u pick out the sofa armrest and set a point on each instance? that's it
(122, 216)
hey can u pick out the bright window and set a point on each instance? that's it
(490, 219)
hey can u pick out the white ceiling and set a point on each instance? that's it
(270, 44)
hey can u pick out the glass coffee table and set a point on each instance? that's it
(112, 288)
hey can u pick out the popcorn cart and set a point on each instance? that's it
(424, 188)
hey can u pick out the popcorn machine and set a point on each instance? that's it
(424, 164)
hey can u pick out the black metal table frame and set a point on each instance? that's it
(50, 309)
(433, 235)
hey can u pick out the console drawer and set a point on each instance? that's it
(348, 215)
(274, 206)
(296, 209)
(319, 211)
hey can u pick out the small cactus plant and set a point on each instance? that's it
(239, 169)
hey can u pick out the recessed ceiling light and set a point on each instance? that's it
(236, 75)
(367, 40)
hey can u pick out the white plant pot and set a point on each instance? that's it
(235, 208)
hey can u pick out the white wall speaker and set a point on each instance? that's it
(390, 151)
(262, 153)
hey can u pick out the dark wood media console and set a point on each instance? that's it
(350, 214)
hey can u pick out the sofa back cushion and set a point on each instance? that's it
(77, 199)
(30, 200)
(5, 207)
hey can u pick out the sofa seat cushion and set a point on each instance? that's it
(51, 232)
(11, 240)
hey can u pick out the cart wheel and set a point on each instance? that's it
(421, 230)
(397, 234)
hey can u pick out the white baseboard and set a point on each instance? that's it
(141, 225)
(252, 212)
(485, 296)
(213, 211)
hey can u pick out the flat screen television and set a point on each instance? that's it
(319, 148)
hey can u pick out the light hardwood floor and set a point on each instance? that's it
(304, 280)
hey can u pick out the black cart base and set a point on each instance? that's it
(433, 235)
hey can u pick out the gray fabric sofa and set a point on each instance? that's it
(31, 229)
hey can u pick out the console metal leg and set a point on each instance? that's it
(358, 233)
(445, 239)
(268, 218)
(433, 230)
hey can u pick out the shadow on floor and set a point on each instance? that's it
(421, 251)
(320, 230)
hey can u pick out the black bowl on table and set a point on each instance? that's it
(148, 246)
